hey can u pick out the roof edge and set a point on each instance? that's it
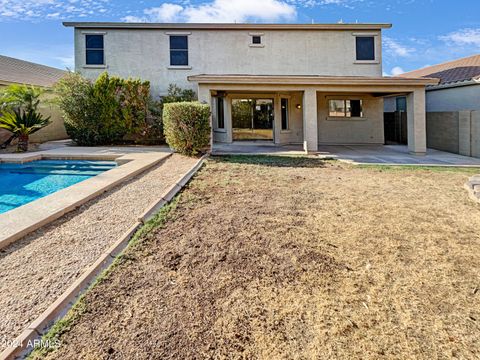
(225, 26)
(310, 79)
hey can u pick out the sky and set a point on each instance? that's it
(425, 32)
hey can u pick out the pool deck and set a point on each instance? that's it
(21, 221)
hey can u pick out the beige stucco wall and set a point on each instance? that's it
(145, 54)
(368, 130)
(54, 131)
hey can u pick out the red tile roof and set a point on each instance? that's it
(460, 70)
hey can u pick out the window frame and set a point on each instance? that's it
(259, 35)
(345, 107)
(186, 50)
(102, 49)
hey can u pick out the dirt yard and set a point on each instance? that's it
(265, 258)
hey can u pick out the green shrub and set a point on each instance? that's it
(110, 110)
(187, 126)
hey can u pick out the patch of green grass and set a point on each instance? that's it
(80, 307)
(467, 170)
(272, 160)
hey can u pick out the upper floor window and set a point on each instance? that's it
(365, 46)
(178, 50)
(94, 50)
(345, 108)
(256, 39)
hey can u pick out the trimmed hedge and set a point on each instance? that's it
(186, 126)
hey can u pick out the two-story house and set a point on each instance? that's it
(282, 83)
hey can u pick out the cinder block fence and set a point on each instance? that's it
(454, 131)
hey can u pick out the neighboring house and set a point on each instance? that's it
(16, 71)
(459, 87)
(282, 83)
(453, 105)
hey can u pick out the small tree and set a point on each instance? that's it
(19, 114)
(187, 126)
(22, 124)
(20, 97)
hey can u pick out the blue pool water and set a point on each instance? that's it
(23, 183)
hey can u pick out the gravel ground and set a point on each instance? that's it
(37, 269)
(295, 259)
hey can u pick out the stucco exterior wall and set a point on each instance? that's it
(368, 130)
(56, 129)
(454, 99)
(145, 53)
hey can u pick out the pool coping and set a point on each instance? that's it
(64, 302)
(21, 221)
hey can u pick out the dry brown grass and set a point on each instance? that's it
(296, 259)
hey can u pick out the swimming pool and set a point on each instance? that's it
(24, 183)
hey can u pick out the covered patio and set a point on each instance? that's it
(313, 111)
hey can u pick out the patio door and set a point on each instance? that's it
(252, 119)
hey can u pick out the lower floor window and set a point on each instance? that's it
(345, 108)
(284, 105)
(220, 113)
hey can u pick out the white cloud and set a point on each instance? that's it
(463, 37)
(165, 13)
(51, 9)
(393, 47)
(397, 70)
(220, 11)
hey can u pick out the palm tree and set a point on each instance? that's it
(22, 124)
(20, 96)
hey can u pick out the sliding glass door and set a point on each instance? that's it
(252, 119)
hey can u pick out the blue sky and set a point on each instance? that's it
(425, 32)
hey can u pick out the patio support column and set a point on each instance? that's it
(205, 97)
(416, 124)
(310, 121)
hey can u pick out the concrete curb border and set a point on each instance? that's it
(65, 301)
(473, 188)
(6, 240)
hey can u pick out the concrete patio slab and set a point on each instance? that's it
(356, 154)
(256, 148)
(395, 155)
